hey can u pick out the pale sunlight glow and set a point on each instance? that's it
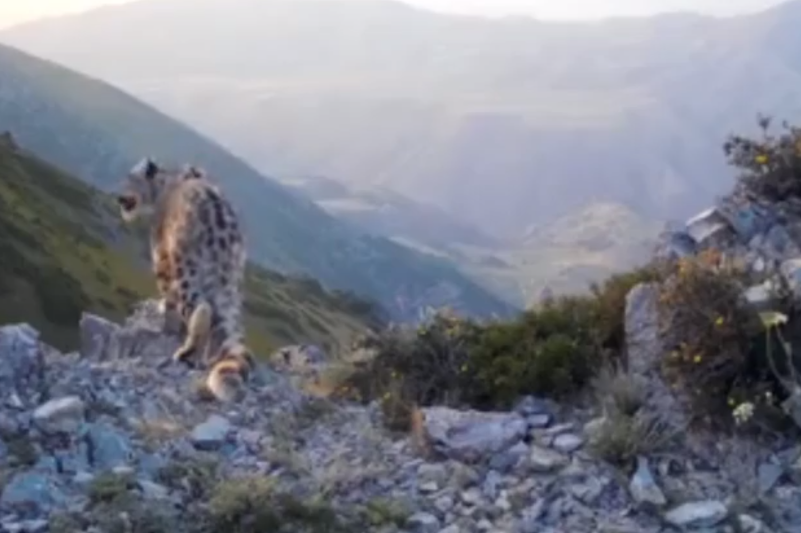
(18, 11)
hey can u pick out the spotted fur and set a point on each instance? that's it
(198, 255)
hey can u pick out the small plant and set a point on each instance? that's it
(626, 429)
(109, 487)
(618, 391)
(252, 505)
(382, 512)
(710, 327)
(621, 438)
(770, 164)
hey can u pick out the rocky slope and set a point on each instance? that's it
(97, 133)
(64, 251)
(102, 440)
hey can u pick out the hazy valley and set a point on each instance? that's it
(489, 127)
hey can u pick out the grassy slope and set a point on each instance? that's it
(97, 132)
(64, 252)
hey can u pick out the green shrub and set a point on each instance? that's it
(717, 345)
(771, 164)
(627, 429)
(252, 505)
(553, 349)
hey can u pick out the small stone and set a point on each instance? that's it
(453, 528)
(29, 526)
(83, 478)
(567, 442)
(530, 405)
(502, 503)
(543, 460)
(538, 421)
(111, 449)
(643, 487)
(749, 524)
(429, 487)
(706, 513)
(432, 472)
(590, 490)
(470, 436)
(31, 489)
(60, 415)
(424, 523)
(211, 434)
(153, 491)
(491, 485)
(768, 475)
(471, 497)
(484, 525)
(444, 504)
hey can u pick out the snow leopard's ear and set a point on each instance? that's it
(146, 167)
(192, 172)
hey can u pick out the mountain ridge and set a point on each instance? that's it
(503, 123)
(97, 132)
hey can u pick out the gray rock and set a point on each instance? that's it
(432, 472)
(472, 435)
(211, 434)
(153, 491)
(21, 355)
(567, 442)
(109, 447)
(31, 490)
(444, 504)
(60, 415)
(538, 421)
(749, 524)
(699, 514)
(768, 475)
(28, 526)
(791, 270)
(543, 460)
(709, 228)
(646, 347)
(762, 297)
(424, 523)
(532, 406)
(96, 335)
(643, 487)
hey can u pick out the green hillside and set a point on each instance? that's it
(97, 133)
(64, 251)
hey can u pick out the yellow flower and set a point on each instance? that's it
(697, 359)
(464, 368)
(761, 159)
(719, 321)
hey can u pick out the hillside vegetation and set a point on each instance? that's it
(63, 251)
(504, 123)
(97, 133)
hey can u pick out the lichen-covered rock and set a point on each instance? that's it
(472, 435)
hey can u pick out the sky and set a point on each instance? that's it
(17, 11)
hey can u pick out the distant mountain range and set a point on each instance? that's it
(97, 133)
(499, 123)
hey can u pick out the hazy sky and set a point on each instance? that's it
(16, 11)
